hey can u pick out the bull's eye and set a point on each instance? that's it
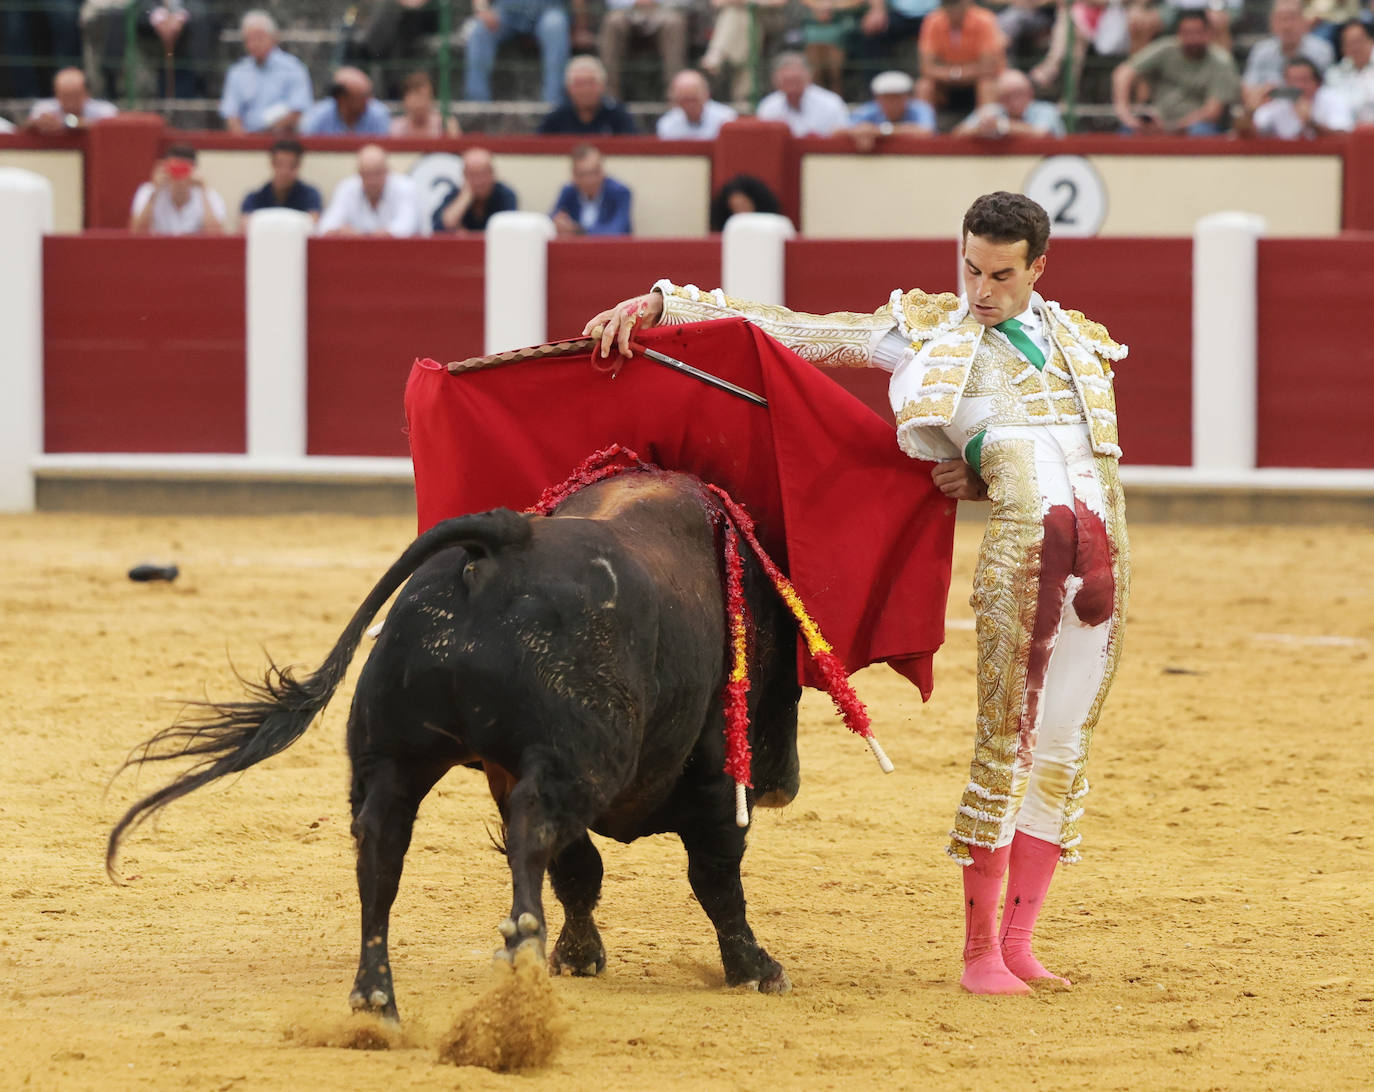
(470, 568)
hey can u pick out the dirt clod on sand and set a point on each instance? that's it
(516, 1024)
(358, 1031)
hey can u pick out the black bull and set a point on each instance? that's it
(579, 660)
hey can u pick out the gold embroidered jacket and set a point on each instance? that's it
(943, 336)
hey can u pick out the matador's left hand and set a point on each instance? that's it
(957, 480)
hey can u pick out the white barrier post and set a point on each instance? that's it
(753, 256)
(517, 280)
(25, 216)
(275, 280)
(1225, 349)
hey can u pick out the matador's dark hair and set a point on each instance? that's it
(1004, 217)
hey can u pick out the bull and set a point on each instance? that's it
(579, 661)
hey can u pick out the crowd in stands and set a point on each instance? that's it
(942, 68)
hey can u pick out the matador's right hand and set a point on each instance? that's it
(617, 325)
(958, 481)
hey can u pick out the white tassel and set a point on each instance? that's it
(741, 806)
(884, 763)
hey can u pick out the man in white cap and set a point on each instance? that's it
(893, 109)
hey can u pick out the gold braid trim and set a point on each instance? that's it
(842, 339)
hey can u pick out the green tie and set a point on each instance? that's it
(1029, 349)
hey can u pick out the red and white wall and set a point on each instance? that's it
(1250, 357)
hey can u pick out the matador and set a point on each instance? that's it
(1010, 397)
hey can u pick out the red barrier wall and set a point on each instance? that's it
(373, 306)
(588, 275)
(144, 344)
(1142, 291)
(1316, 358)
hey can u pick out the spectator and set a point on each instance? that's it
(1302, 107)
(18, 21)
(71, 106)
(889, 23)
(827, 28)
(586, 109)
(1109, 27)
(482, 197)
(1353, 77)
(742, 193)
(1329, 17)
(893, 109)
(592, 203)
(285, 190)
(1192, 85)
(176, 201)
(1016, 112)
(420, 115)
(962, 54)
(664, 22)
(496, 20)
(808, 110)
(1026, 24)
(187, 31)
(731, 35)
(695, 115)
(266, 90)
(375, 201)
(388, 31)
(348, 109)
(1264, 67)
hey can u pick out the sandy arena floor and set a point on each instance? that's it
(1218, 930)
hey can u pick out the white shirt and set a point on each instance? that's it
(1279, 117)
(821, 112)
(397, 213)
(674, 124)
(5, 126)
(169, 219)
(1356, 85)
(94, 110)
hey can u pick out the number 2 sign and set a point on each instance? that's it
(1069, 188)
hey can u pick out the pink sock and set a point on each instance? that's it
(1028, 879)
(984, 968)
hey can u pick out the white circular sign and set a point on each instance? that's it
(437, 177)
(1069, 188)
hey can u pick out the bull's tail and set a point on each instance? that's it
(229, 737)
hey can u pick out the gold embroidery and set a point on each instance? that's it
(954, 352)
(1008, 563)
(1093, 331)
(923, 311)
(944, 375)
(842, 339)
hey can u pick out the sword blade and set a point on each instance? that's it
(705, 377)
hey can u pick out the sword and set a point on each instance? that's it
(696, 373)
(589, 345)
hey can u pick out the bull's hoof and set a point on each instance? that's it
(378, 1003)
(528, 924)
(578, 960)
(776, 983)
(775, 798)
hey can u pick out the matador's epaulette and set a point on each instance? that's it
(1093, 335)
(920, 314)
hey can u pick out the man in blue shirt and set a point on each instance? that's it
(285, 190)
(592, 204)
(349, 109)
(893, 109)
(268, 89)
(586, 109)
